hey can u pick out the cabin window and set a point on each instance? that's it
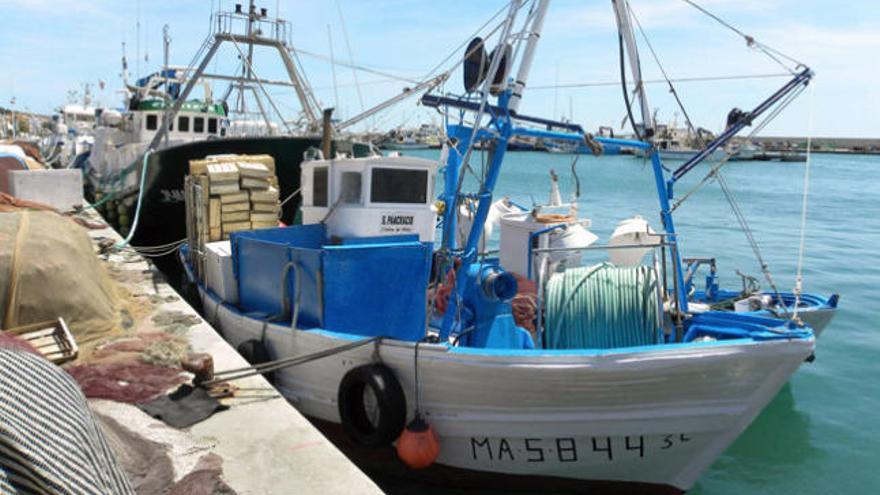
(152, 122)
(199, 124)
(394, 185)
(319, 186)
(183, 124)
(350, 190)
(212, 126)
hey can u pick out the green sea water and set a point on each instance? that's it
(821, 433)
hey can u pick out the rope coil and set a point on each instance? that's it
(602, 307)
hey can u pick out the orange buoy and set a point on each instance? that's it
(418, 445)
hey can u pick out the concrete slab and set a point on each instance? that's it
(265, 445)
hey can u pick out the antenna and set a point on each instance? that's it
(147, 43)
(124, 66)
(350, 57)
(137, 49)
(333, 68)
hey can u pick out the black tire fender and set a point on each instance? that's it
(391, 405)
(254, 352)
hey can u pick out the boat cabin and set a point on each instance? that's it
(370, 197)
(195, 121)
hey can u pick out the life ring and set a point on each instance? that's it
(254, 352)
(384, 423)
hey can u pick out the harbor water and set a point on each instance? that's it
(820, 434)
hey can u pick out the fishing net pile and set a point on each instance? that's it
(48, 269)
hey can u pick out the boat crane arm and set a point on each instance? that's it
(407, 92)
(800, 79)
(446, 101)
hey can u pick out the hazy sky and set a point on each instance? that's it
(50, 47)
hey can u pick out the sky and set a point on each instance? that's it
(53, 47)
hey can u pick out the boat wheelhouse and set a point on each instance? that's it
(372, 196)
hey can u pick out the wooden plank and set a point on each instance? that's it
(214, 212)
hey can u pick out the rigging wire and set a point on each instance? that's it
(772, 53)
(734, 77)
(507, 25)
(758, 128)
(731, 199)
(744, 225)
(800, 263)
(350, 56)
(353, 66)
(468, 40)
(672, 90)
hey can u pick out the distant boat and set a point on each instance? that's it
(405, 144)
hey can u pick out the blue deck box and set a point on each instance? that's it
(365, 286)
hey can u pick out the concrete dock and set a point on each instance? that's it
(260, 445)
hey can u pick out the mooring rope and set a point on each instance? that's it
(137, 211)
(278, 364)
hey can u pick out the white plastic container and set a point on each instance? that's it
(631, 231)
(219, 274)
(516, 230)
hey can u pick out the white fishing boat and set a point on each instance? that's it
(365, 326)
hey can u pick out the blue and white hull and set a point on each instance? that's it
(815, 311)
(650, 419)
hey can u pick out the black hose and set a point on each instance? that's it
(629, 111)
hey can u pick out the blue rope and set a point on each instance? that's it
(602, 307)
(137, 211)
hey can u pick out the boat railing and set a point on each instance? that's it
(256, 25)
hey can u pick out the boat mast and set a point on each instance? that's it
(498, 132)
(261, 30)
(522, 76)
(624, 26)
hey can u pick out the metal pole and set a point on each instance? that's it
(327, 133)
(522, 76)
(333, 67)
(167, 42)
(14, 123)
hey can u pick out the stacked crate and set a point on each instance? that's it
(242, 193)
(262, 187)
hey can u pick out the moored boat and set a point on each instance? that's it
(619, 385)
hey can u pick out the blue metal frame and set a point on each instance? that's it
(500, 129)
(801, 78)
(503, 129)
